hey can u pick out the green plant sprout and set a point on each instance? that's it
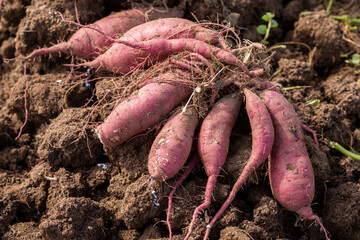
(344, 151)
(348, 21)
(313, 102)
(265, 30)
(329, 6)
(294, 87)
(277, 72)
(355, 60)
(311, 57)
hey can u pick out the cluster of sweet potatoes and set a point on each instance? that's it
(126, 42)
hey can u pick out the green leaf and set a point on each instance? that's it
(261, 29)
(265, 18)
(274, 23)
(271, 15)
(355, 60)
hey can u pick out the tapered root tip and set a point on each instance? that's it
(307, 213)
(58, 48)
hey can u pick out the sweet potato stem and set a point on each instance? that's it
(344, 151)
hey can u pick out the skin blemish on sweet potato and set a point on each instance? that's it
(292, 167)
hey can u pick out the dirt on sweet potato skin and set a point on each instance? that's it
(58, 182)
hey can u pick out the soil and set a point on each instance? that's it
(57, 181)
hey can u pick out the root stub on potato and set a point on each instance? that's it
(290, 171)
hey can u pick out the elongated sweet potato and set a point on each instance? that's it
(130, 54)
(143, 110)
(290, 170)
(90, 43)
(172, 145)
(262, 140)
(214, 141)
(170, 28)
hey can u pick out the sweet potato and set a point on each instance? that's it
(120, 58)
(290, 171)
(172, 145)
(90, 43)
(262, 140)
(130, 54)
(213, 145)
(143, 110)
(170, 28)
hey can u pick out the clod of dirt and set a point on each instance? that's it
(292, 11)
(239, 152)
(74, 218)
(131, 234)
(44, 97)
(113, 206)
(23, 230)
(138, 206)
(98, 178)
(319, 161)
(351, 166)
(151, 232)
(7, 128)
(202, 9)
(322, 116)
(234, 233)
(22, 200)
(318, 30)
(250, 10)
(232, 216)
(255, 231)
(356, 135)
(7, 82)
(12, 158)
(118, 185)
(66, 143)
(63, 183)
(7, 48)
(343, 89)
(342, 220)
(328, 120)
(131, 156)
(294, 72)
(12, 11)
(267, 215)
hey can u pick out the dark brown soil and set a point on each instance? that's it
(57, 181)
